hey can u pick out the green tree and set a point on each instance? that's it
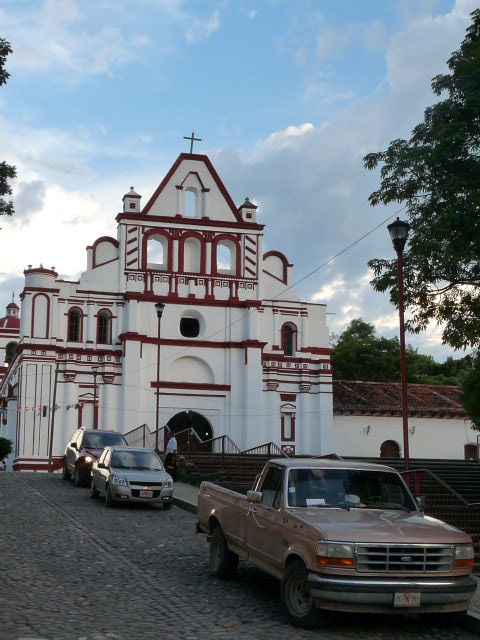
(5, 448)
(358, 354)
(7, 172)
(470, 397)
(436, 173)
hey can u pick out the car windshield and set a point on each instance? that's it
(101, 440)
(348, 488)
(141, 460)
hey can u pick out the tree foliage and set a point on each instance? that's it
(436, 173)
(358, 354)
(5, 448)
(470, 397)
(7, 171)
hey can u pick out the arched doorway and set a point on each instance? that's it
(184, 423)
(389, 449)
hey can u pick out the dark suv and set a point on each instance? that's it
(83, 448)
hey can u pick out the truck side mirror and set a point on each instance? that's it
(420, 500)
(254, 496)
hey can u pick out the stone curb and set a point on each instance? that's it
(184, 504)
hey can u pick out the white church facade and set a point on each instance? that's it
(235, 347)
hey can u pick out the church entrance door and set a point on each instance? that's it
(192, 430)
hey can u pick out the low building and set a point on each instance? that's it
(367, 421)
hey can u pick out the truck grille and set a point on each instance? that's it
(415, 558)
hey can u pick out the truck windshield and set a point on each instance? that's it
(350, 488)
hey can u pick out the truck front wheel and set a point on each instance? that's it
(223, 562)
(296, 598)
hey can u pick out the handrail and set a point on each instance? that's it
(268, 448)
(439, 480)
(141, 433)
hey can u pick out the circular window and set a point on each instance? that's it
(191, 324)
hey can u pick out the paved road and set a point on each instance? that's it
(72, 569)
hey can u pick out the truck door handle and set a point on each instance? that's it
(253, 512)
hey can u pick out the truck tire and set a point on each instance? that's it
(296, 598)
(223, 562)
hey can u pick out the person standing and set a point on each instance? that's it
(171, 457)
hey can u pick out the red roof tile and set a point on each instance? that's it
(385, 398)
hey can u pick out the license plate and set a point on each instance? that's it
(407, 599)
(146, 494)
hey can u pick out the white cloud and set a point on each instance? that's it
(330, 44)
(330, 289)
(374, 35)
(56, 35)
(203, 28)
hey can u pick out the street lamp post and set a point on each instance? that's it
(95, 373)
(398, 231)
(159, 307)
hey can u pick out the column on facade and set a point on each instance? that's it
(106, 403)
(90, 330)
(53, 319)
(275, 338)
(59, 329)
(303, 337)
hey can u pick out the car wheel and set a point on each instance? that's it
(296, 597)
(223, 562)
(93, 490)
(65, 472)
(109, 501)
(77, 478)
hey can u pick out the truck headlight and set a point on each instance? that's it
(168, 484)
(119, 481)
(334, 554)
(464, 556)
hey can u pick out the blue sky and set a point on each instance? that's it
(287, 96)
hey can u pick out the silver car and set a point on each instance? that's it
(130, 474)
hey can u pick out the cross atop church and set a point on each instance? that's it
(192, 138)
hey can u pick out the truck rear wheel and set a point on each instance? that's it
(296, 598)
(223, 562)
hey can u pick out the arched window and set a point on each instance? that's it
(190, 203)
(224, 258)
(289, 339)
(104, 328)
(157, 250)
(225, 255)
(74, 333)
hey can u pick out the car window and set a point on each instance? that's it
(348, 488)
(103, 455)
(136, 460)
(272, 488)
(108, 455)
(101, 440)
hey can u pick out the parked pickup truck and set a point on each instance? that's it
(341, 536)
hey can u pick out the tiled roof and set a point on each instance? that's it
(384, 398)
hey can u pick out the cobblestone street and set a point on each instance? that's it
(73, 569)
